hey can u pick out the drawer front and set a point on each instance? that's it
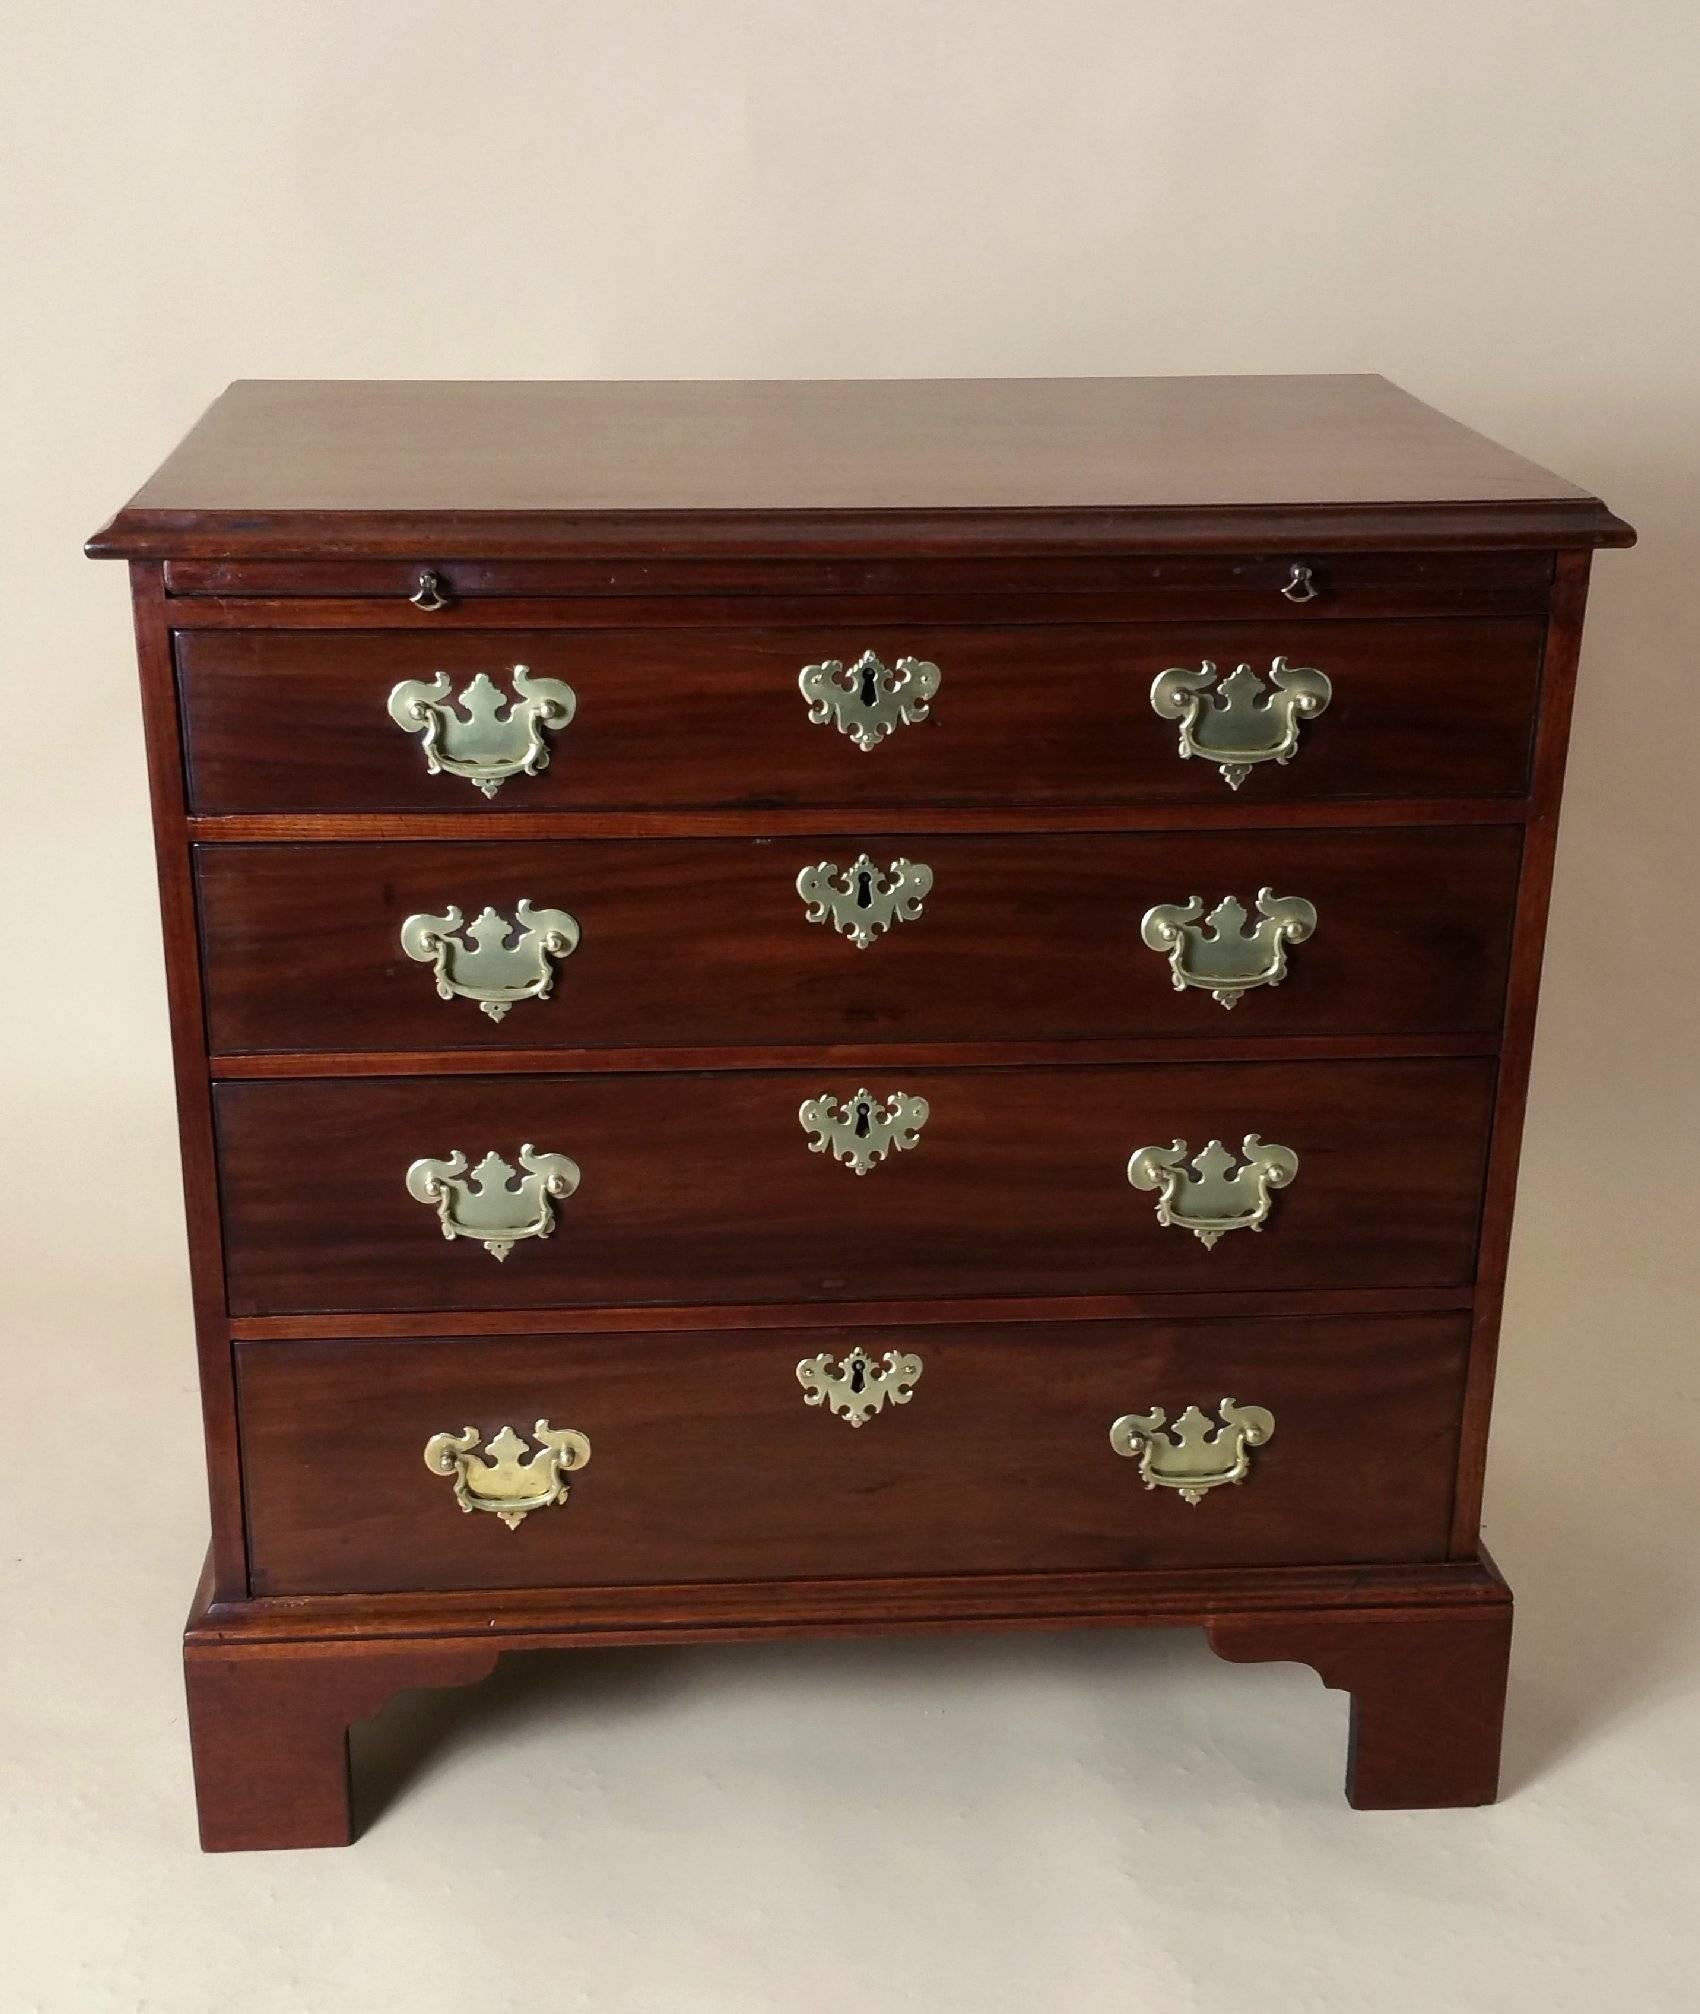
(285, 720)
(705, 1462)
(703, 1188)
(695, 944)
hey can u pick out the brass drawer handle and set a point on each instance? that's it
(1301, 584)
(498, 1480)
(861, 1131)
(1211, 1201)
(491, 737)
(494, 1205)
(863, 900)
(1241, 723)
(858, 1388)
(1195, 1455)
(869, 701)
(483, 965)
(432, 592)
(1222, 957)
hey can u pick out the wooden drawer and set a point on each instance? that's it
(692, 944)
(297, 720)
(702, 1188)
(707, 1464)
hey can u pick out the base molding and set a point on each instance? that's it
(274, 1685)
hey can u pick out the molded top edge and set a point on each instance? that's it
(341, 468)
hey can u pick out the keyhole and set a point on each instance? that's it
(864, 889)
(870, 685)
(857, 1379)
(862, 1122)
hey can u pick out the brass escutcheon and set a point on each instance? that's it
(862, 901)
(869, 701)
(861, 1131)
(858, 1387)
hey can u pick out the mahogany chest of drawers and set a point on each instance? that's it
(829, 1007)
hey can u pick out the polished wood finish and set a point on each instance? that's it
(268, 1728)
(186, 1007)
(842, 1604)
(295, 720)
(1427, 1688)
(1563, 650)
(703, 1450)
(509, 471)
(1016, 536)
(655, 1316)
(1017, 1185)
(707, 944)
(319, 1663)
(286, 827)
(1124, 587)
(677, 552)
(857, 1056)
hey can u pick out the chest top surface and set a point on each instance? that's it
(282, 467)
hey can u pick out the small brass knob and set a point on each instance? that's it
(431, 594)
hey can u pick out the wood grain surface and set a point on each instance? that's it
(676, 553)
(703, 1187)
(1033, 938)
(308, 469)
(707, 1464)
(296, 720)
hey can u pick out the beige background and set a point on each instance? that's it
(1495, 203)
